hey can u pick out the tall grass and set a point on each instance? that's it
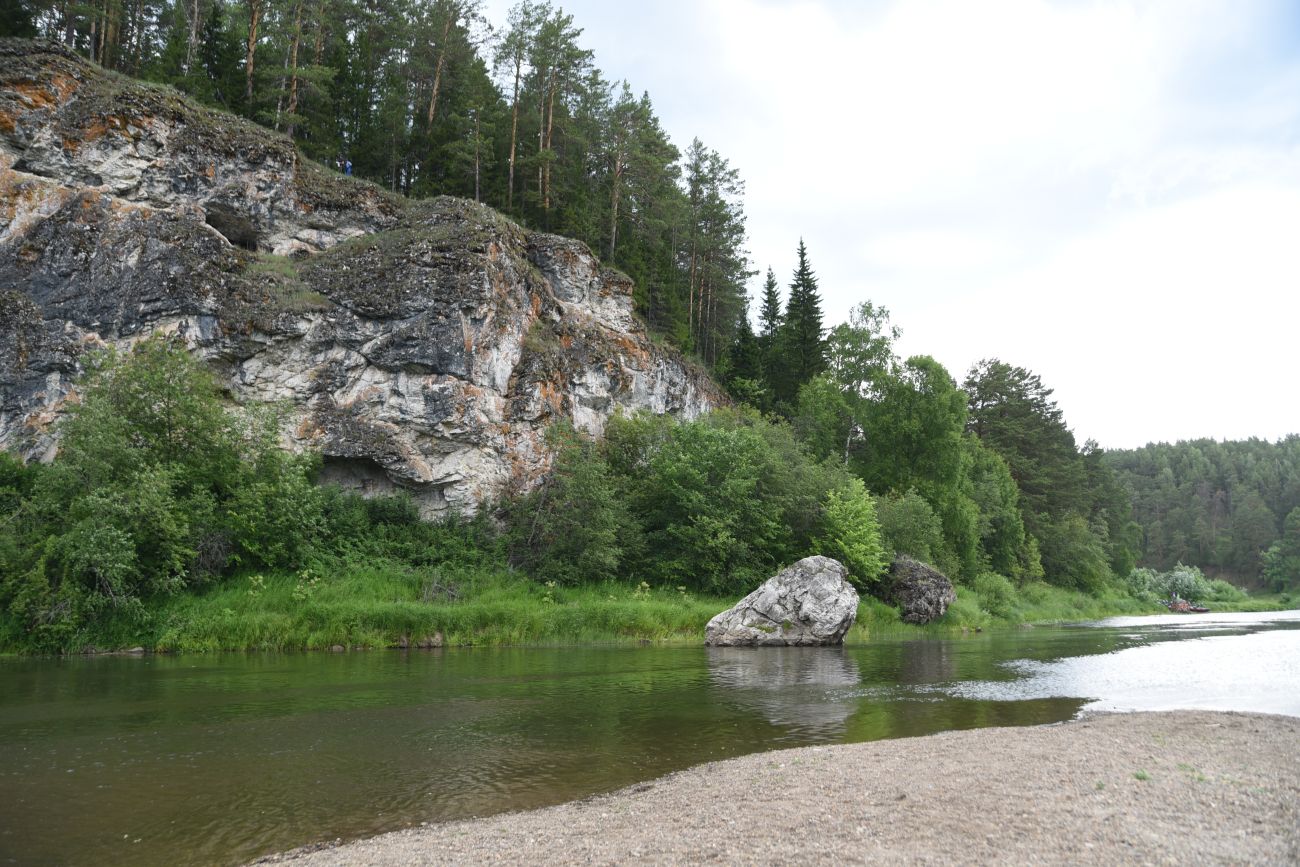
(386, 603)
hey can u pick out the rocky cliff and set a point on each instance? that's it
(423, 345)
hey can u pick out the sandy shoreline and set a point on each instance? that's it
(1158, 788)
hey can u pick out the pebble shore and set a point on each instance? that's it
(1184, 787)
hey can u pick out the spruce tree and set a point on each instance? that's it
(801, 346)
(769, 314)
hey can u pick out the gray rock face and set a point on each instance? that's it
(809, 603)
(922, 592)
(417, 345)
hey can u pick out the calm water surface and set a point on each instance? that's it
(219, 759)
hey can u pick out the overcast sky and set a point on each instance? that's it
(1106, 193)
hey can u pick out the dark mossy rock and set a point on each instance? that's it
(921, 592)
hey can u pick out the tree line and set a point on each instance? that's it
(427, 97)
(981, 476)
(1232, 508)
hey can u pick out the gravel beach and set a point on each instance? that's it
(1185, 787)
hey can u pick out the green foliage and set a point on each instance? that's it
(156, 488)
(1282, 560)
(1073, 555)
(800, 340)
(1181, 582)
(851, 534)
(716, 505)
(574, 528)
(908, 525)
(707, 509)
(1072, 505)
(998, 596)
(1221, 505)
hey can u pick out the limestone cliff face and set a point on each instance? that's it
(426, 345)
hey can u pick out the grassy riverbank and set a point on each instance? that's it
(376, 603)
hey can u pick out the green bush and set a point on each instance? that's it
(908, 525)
(851, 534)
(156, 488)
(998, 596)
(574, 527)
(1222, 591)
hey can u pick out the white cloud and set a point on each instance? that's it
(1104, 191)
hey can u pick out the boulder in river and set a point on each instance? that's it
(808, 603)
(922, 592)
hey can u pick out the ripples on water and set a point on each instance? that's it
(218, 759)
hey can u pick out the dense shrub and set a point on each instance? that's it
(156, 487)
(908, 525)
(715, 505)
(998, 595)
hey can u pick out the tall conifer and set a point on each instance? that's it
(801, 345)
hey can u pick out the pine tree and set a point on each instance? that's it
(801, 346)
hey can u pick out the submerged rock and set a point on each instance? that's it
(808, 603)
(421, 345)
(921, 592)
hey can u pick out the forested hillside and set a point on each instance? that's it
(839, 445)
(427, 97)
(1232, 508)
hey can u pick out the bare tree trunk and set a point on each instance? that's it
(442, 58)
(254, 17)
(319, 51)
(541, 130)
(293, 64)
(103, 32)
(514, 132)
(94, 24)
(613, 205)
(690, 279)
(193, 9)
(478, 141)
(280, 88)
(550, 131)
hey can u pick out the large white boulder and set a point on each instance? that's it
(809, 603)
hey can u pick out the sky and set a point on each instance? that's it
(1106, 192)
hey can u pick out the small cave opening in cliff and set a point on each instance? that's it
(361, 475)
(235, 227)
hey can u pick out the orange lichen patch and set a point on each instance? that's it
(549, 394)
(307, 429)
(98, 128)
(37, 94)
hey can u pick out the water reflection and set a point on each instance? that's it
(805, 689)
(219, 759)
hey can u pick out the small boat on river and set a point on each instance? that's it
(1182, 606)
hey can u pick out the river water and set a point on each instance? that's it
(219, 759)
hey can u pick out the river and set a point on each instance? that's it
(219, 759)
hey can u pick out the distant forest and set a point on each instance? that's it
(1232, 508)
